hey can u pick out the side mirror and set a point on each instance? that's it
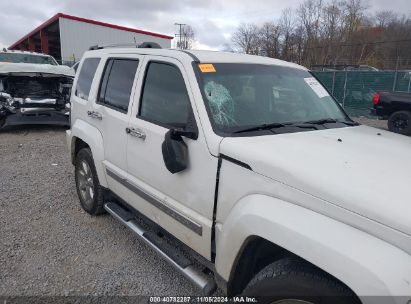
(175, 152)
(177, 133)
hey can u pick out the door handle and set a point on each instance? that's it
(94, 114)
(136, 133)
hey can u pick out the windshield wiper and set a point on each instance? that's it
(321, 121)
(262, 127)
(331, 120)
(349, 123)
(275, 125)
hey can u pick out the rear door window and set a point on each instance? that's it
(117, 83)
(85, 78)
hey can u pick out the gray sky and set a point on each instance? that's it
(212, 20)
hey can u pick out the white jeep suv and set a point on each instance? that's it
(249, 163)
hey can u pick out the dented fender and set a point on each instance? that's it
(349, 254)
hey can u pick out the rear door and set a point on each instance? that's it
(111, 111)
(182, 203)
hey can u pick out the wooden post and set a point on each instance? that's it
(32, 46)
(345, 88)
(44, 41)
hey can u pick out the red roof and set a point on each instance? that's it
(61, 15)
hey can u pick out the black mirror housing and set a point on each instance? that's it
(189, 130)
(175, 151)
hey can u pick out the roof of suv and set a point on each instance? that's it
(200, 56)
(24, 52)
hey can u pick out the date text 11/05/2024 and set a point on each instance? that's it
(200, 299)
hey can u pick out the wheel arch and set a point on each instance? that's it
(77, 145)
(84, 135)
(257, 253)
(250, 259)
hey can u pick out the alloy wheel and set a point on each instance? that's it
(85, 183)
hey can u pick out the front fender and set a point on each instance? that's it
(368, 265)
(91, 136)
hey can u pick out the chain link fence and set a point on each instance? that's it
(355, 89)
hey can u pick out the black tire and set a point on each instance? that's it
(95, 204)
(400, 122)
(290, 280)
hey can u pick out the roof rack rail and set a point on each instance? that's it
(95, 47)
(148, 45)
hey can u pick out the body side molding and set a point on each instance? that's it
(181, 218)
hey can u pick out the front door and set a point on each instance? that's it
(182, 203)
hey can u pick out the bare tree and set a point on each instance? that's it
(268, 39)
(384, 18)
(309, 16)
(246, 38)
(286, 24)
(354, 14)
(331, 32)
(333, 21)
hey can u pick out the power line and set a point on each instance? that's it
(249, 14)
(180, 34)
(358, 44)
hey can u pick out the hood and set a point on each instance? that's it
(361, 169)
(30, 68)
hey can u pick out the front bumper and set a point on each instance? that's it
(57, 118)
(380, 112)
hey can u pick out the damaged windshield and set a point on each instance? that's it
(246, 96)
(26, 58)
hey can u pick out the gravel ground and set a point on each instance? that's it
(381, 124)
(50, 246)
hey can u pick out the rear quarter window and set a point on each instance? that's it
(117, 83)
(85, 78)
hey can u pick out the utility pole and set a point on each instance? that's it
(180, 35)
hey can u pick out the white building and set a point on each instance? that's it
(67, 37)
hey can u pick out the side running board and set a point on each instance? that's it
(204, 282)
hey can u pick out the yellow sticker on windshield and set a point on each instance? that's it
(207, 68)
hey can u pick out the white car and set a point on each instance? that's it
(34, 89)
(250, 163)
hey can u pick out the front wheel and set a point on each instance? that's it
(400, 122)
(291, 281)
(88, 187)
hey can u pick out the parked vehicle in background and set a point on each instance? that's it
(396, 107)
(249, 163)
(34, 89)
